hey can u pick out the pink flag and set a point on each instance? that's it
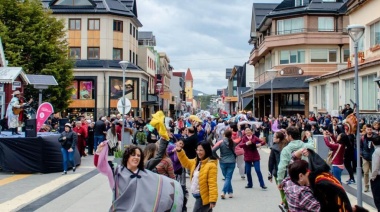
(43, 113)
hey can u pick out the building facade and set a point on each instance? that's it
(299, 40)
(339, 84)
(100, 33)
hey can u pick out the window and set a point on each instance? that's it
(346, 55)
(369, 88)
(323, 55)
(360, 44)
(75, 53)
(144, 90)
(137, 34)
(315, 95)
(349, 89)
(130, 56)
(294, 56)
(74, 24)
(288, 26)
(375, 34)
(294, 99)
(130, 29)
(137, 60)
(93, 24)
(73, 2)
(335, 95)
(133, 58)
(323, 97)
(93, 53)
(117, 26)
(134, 32)
(298, 3)
(117, 54)
(326, 24)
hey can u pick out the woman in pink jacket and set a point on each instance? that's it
(239, 151)
(251, 156)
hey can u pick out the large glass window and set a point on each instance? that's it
(116, 88)
(288, 26)
(74, 24)
(93, 53)
(82, 89)
(294, 56)
(93, 24)
(368, 92)
(323, 55)
(375, 34)
(349, 89)
(294, 99)
(335, 95)
(117, 54)
(346, 55)
(323, 97)
(73, 2)
(75, 53)
(325, 24)
(144, 90)
(315, 95)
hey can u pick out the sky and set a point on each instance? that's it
(206, 36)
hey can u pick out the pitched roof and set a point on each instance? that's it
(285, 83)
(179, 74)
(189, 76)
(126, 8)
(259, 11)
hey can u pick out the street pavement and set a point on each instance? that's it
(87, 190)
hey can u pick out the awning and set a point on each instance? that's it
(246, 102)
(9, 74)
(286, 83)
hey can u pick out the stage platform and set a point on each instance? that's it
(41, 154)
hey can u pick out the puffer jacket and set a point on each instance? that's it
(208, 173)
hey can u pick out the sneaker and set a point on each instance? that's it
(350, 182)
(243, 177)
(264, 187)
(74, 169)
(282, 207)
(64, 172)
(222, 196)
(230, 195)
(248, 186)
(366, 189)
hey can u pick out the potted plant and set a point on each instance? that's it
(118, 156)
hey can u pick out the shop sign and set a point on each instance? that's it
(291, 71)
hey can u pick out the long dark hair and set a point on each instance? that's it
(131, 150)
(113, 129)
(228, 135)
(208, 151)
(283, 142)
(344, 139)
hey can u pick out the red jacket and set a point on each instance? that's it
(338, 160)
(250, 151)
(82, 132)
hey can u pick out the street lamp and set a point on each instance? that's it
(356, 32)
(272, 73)
(252, 84)
(124, 65)
(159, 86)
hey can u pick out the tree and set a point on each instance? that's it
(34, 40)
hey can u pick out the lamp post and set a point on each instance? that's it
(252, 84)
(124, 65)
(159, 86)
(356, 32)
(272, 73)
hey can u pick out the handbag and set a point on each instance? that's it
(330, 156)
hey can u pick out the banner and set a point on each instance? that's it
(43, 113)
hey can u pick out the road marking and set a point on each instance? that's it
(38, 192)
(13, 179)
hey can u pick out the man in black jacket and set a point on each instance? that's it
(367, 150)
(100, 130)
(347, 111)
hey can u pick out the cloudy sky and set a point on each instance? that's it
(206, 36)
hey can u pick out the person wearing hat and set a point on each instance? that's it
(12, 117)
(68, 140)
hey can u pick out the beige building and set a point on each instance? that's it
(298, 41)
(164, 72)
(99, 35)
(331, 91)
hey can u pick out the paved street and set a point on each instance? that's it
(86, 190)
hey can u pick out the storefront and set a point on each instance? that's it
(131, 92)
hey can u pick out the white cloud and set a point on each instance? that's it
(206, 36)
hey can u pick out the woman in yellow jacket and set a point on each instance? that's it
(203, 174)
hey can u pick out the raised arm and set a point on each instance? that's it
(152, 163)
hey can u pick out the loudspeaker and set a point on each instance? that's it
(61, 124)
(31, 128)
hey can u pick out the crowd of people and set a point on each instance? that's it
(194, 146)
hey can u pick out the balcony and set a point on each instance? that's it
(307, 36)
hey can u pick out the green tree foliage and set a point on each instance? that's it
(34, 40)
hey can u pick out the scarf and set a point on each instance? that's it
(103, 165)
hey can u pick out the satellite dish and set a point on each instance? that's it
(127, 105)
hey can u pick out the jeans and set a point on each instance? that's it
(66, 155)
(248, 166)
(337, 172)
(227, 171)
(199, 207)
(97, 140)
